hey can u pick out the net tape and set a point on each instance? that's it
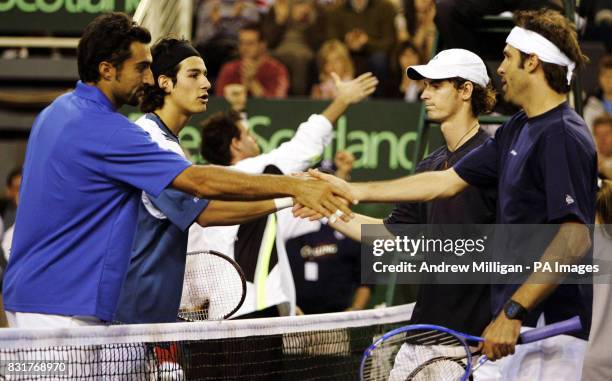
(315, 347)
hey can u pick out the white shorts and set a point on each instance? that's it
(33, 320)
(109, 361)
(556, 358)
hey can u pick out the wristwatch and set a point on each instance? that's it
(514, 310)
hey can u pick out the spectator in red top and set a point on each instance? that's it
(262, 75)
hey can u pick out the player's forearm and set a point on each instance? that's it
(361, 298)
(569, 246)
(336, 109)
(215, 182)
(352, 228)
(422, 187)
(221, 213)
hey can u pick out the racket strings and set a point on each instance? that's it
(417, 355)
(441, 368)
(212, 289)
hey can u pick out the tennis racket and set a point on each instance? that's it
(424, 352)
(214, 287)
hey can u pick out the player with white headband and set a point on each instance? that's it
(544, 166)
(530, 42)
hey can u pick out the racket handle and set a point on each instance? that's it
(566, 326)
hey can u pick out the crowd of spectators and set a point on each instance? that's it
(304, 41)
(598, 115)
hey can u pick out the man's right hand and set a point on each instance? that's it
(325, 198)
(302, 210)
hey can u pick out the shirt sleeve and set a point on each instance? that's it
(133, 158)
(569, 174)
(180, 208)
(299, 153)
(479, 167)
(404, 213)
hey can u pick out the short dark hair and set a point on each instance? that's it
(483, 98)
(397, 52)
(556, 28)
(605, 62)
(253, 26)
(154, 96)
(107, 38)
(605, 119)
(15, 172)
(218, 131)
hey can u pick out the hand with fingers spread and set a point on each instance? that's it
(355, 90)
(500, 337)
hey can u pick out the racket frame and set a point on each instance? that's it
(461, 337)
(238, 269)
(536, 334)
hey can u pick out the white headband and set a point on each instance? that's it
(530, 42)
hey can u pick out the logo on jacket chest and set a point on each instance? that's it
(318, 251)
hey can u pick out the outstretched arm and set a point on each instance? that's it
(352, 228)
(313, 135)
(422, 187)
(222, 213)
(215, 182)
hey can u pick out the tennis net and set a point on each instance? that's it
(314, 347)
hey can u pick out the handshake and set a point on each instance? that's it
(325, 196)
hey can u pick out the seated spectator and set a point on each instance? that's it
(400, 86)
(602, 131)
(420, 25)
(326, 265)
(368, 30)
(333, 57)
(8, 203)
(216, 30)
(293, 30)
(600, 101)
(262, 75)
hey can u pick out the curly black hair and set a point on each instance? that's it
(107, 38)
(217, 134)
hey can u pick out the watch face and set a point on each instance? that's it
(512, 310)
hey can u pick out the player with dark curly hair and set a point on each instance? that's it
(85, 168)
